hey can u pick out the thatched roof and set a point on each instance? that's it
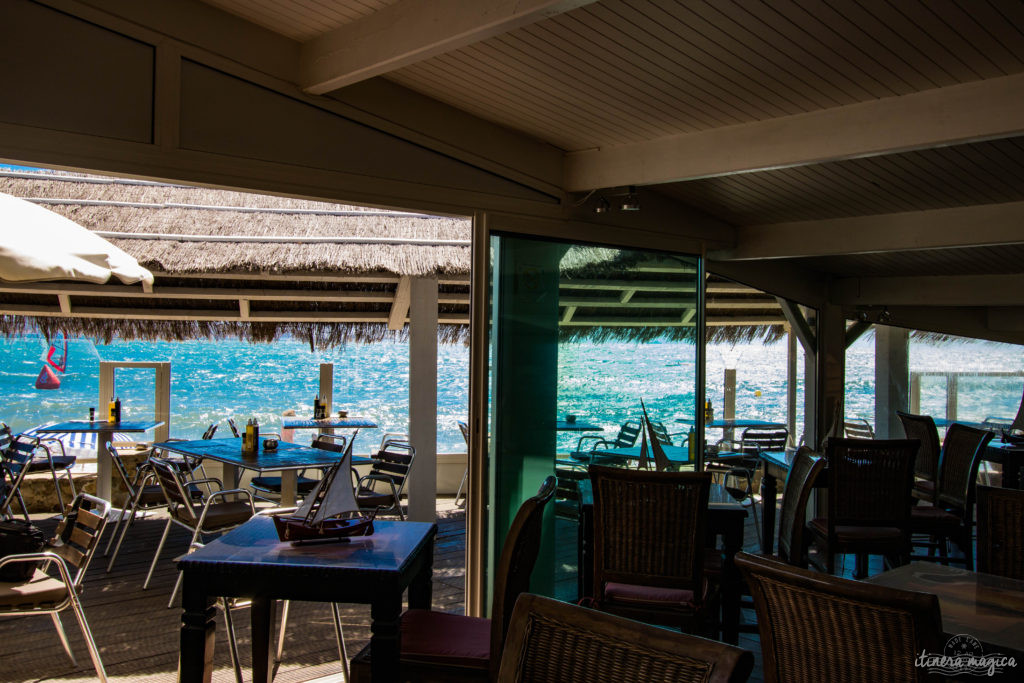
(236, 264)
(329, 238)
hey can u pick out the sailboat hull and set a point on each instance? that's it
(296, 530)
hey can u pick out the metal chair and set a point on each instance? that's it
(271, 485)
(555, 641)
(208, 515)
(926, 465)
(649, 546)
(858, 428)
(951, 517)
(588, 446)
(70, 552)
(869, 501)
(464, 428)
(438, 646)
(35, 454)
(742, 460)
(1001, 532)
(234, 428)
(390, 468)
(140, 494)
(816, 627)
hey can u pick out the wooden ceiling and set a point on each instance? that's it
(802, 144)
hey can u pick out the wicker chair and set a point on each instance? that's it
(437, 646)
(72, 549)
(649, 537)
(952, 515)
(816, 627)
(555, 641)
(807, 466)
(926, 466)
(869, 501)
(1001, 532)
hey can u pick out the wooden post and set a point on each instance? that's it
(326, 390)
(422, 486)
(729, 403)
(103, 464)
(915, 393)
(791, 386)
(892, 374)
(952, 395)
(162, 402)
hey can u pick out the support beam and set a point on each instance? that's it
(932, 290)
(400, 306)
(830, 369)
(410, 31)
(798, 324)
(892, 379)
(979, 110)
(856, 331)
(243, 309)
(422, 486)
(962, 226)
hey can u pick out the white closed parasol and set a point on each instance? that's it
(38, 244)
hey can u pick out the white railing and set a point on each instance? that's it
(952, 387)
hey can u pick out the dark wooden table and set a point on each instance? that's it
(288, 458)
(250, 562)
(725, 519)
(104, 432)
(989, 608)
(1010, 457)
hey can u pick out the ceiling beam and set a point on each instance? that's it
(969, 112)
(963, 226)
(930, 290)
(400, 306)
(410, 31)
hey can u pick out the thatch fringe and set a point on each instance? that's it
(732, 334)
(322, 336)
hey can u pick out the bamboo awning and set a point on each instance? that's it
(237, 264)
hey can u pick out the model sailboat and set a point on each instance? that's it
(329, 512)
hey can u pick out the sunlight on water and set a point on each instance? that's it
(599, 383)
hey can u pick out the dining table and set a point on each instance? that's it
(104, 431)
(353, 422)
(251, 562)
(576, 426)
(288, 458)
(725, 520)
(678, 455)
(987, 607)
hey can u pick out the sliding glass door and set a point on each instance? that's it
(579, 336)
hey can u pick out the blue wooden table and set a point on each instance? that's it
(104, 432)
(288, 458)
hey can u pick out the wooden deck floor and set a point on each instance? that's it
(138, 634)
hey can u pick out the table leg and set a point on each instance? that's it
(385, 641)
(422, 587)
(732, 543)
(261, 617)
(289, 487)
(104, 469)
(769, 494)
(1012, 462)
(229, 474)
(198, 628)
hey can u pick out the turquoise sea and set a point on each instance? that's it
(599, 383)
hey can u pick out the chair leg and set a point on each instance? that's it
(156, 555)
(462, 485)
(63, 637)
(120, 518)
(90, 644)
(232, 643)
(285, 604)
(60, 495)
(340, 635)
(120, 540)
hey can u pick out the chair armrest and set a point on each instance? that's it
(585, 437)
(211, 480)
(273, 511)
(47, 556)
(213, 496)
(52, 440)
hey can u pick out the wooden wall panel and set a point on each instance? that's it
(63, 73)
